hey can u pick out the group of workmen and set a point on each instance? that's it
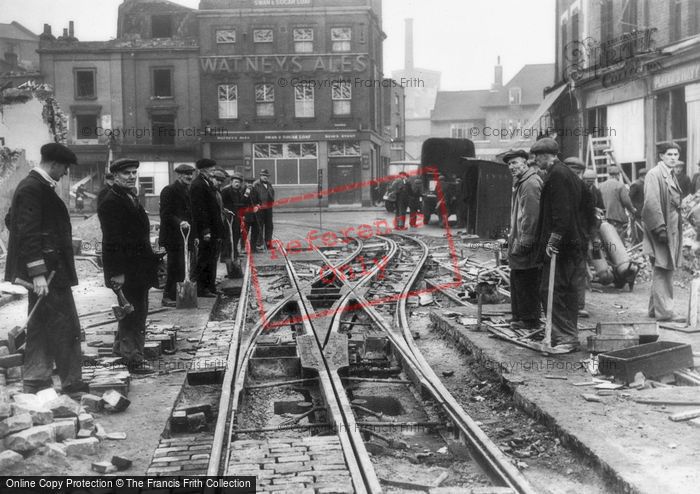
(556, 209)
(199, 207)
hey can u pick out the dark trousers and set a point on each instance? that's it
(53, 335)
(565, 300)
(131, 331)
(205, 270)
(524, 294)
(176, 271)
(400, 218)
(264, 219)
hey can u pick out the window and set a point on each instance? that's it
(85, 84)
(147, 184)
(86, 126)
(397, 132)
(341, 94)
(574, 26)
(340, 38)
(303, 39)
(460, 131)
(265, 100)
(161, 26)
(672, 119)
(514, 95)
(228, 100)
(304, 100)
(598, 121)
(675, 20)
(162, 83)
(606, 20)
(629, 16)
(343, 148)
(163, 130)
(262, 36)
(288, 163)
(565, 62)
(225, 36)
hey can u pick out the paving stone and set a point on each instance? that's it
(92, 403)
(345, 488)
(30, 439)
(158, 470)
(291, 467)
(318, 465)
(65, 428)
(328, 458)
(86, 421)
(8, 459)
(288, 459)
(167, 459)
(15, 423)
(77, 447)
(168, 451)
(40, 414)
(200, 447)
(55, 450)
(200, 457)
(5, 409)
(64, 406)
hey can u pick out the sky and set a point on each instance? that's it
(460, 38)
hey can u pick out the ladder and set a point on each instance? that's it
(600, 156)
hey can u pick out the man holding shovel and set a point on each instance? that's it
(562, 246)
(233, 200)
(175, 213)
(41, 243)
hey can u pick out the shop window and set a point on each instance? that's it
(514, 95)
(262, 36)
(147, 185)
(265, 100)
(672, 118)
(597, 121)
(341, 38)
(163, 130)
(341, 94)
(224, 36)
(304, 100)
(86, 126)
(162, 83)
(288, 163)
(228, 100)
(85, 84)
(303, 39)
(343, 148)
(161, 26)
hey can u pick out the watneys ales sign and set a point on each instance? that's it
(269, 64)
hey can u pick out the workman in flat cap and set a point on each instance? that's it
(128, 259)
(234, 201)
(40, 252)
(175, 226)
(661, 221)
(263, 195)
(561, 233)
(208, 225)
(525, 267)
(617, 202)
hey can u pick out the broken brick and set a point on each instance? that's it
(64, 406)
(15, 423)
(103, 467)
(77, 447)
(65, 428)
(115, 400)
(121, 463)
(40, 414)
(13, 360)
(30, 439)
(91, 403)
(9, 458)
(86, 421)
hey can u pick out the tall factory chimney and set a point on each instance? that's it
(498, 75)
(409, 45)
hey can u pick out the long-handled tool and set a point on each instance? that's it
(124, 308)
(236, 271)
(17, 336)
(546, 345)
(186, 289)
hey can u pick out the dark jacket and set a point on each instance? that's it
(262, 194)
(637, 195)
(126, 242)
(40, 234)
(685, 183)
(235, 200)
(175, 207)
(102, 194)
(563, 207)
(206, 211)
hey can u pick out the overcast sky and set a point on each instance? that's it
(460, 38)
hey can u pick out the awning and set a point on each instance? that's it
(546, 104)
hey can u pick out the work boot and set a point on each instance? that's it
(583, 313)
(168, 302)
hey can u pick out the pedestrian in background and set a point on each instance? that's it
(263, 196)
(522, 252)
(128, 259)
(637, 198)
(661, 220)
(176, 219)
(41, 243)
(208, 226)
(617, 201)
(683, 180)
(402, 188)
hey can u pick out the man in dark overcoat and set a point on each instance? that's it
(176, 218)
(402, 188)
(109, 181)
(208, 225)
(561, 231)
(127, 257)
(263, 195)
(234, 200)
(40, 243)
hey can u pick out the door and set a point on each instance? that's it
(341, 175)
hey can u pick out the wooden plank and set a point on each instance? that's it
(687, 415)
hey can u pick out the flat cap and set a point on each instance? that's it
(515, 153)
(642, 172)
(590, 174)
(205, 163)
(122, 163)
(613, 170)
(220, 173)
(265, 172)
(58, 153)
(665, 146)
(237, 176)
(184, 168)
(545, 145)
(575, 163)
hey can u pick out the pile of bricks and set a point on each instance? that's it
(187, 455)
(209, 363)
(304, 465)
(161, 339)
(11, 357)
(48, 422)
(105, 374)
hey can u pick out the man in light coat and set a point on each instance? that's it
(522, 252)
(661, 220)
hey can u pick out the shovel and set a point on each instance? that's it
(236, 271)
(187, 289)
(124, 308)
(17, 336)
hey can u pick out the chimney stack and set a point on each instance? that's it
(498, 75)
(65, 33)
(409, 45)
(70, 29)
(47, 29)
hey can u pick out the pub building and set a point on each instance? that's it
(295, 87)
(629, 71)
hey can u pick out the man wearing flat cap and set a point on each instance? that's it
(522, 251)
(234, 200)
(40, 252)
(661, 221)
(263, 195)
(208, 225)
(562, 232)
(127, 257)
(176, 220)
(617, 202)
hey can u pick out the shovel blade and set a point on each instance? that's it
(186, 295)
